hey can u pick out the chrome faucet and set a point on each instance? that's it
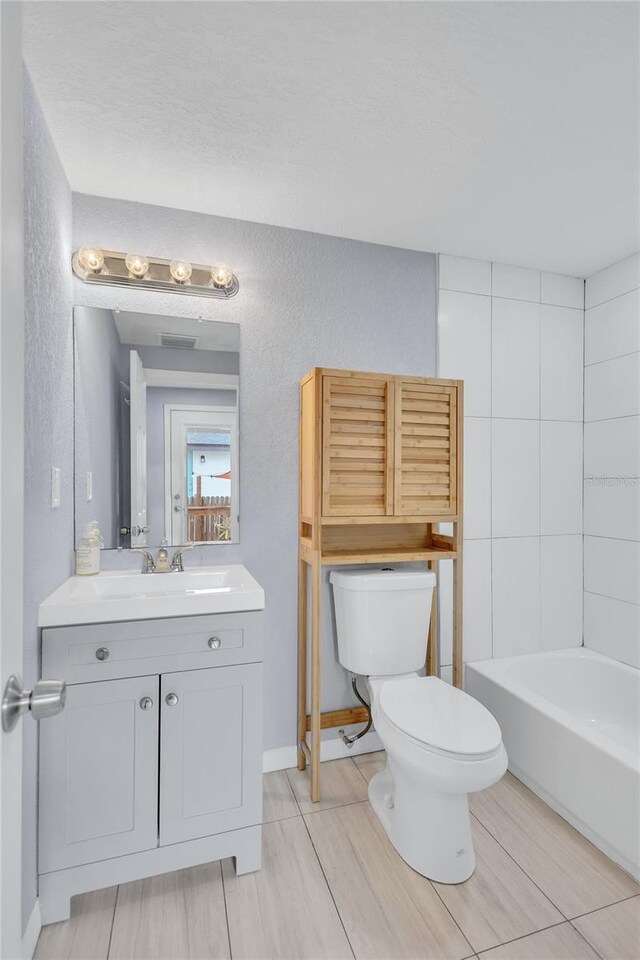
(148, 563)
(176, 562)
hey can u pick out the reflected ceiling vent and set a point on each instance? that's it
(176, 340)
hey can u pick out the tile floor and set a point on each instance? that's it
(332, 886)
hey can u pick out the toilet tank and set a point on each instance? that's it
(382, 619)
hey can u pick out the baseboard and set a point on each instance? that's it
(32, 932)
(333, 749)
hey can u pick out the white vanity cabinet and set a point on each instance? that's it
(156, 762)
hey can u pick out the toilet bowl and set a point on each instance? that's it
(441, 744)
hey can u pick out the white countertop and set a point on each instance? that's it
(117, 595)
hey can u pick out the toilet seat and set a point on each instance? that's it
(439, 718)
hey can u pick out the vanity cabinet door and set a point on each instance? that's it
(357, 446)
(426, 451)
(99, 774)
(211, 751)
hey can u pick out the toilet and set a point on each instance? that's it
(441, 744)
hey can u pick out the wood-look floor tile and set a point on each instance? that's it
(340, 783)
(498, 902)
(86, 935)
(370, 763)
(179, 914)
(285, 910)
(387, 908)
(573, 873)
(278, 801)
(613, 931)
(556, 943)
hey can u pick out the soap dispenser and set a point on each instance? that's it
(162, 560)
(88, 550)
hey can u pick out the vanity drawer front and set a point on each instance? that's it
(105, 651)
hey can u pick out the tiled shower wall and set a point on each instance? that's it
(515, 336)
(612, 462)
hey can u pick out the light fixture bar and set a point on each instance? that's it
(95, 265)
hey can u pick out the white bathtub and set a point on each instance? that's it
(570, 721)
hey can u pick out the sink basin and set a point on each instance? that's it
(131, 595)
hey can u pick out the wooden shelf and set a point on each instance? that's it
(384, 555)
(380, 472)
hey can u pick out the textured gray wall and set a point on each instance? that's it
(48, 541)
(305, 300)
(98, 369)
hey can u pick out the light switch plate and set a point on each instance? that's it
(56, 475)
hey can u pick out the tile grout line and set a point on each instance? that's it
(226, 910)
(520, 867)
(113, 920)
(618, 356)
(533, 933)
(326, 880)
(615, 903)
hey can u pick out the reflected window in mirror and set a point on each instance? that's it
(156, 428)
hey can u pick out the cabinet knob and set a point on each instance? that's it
(171, 699)
(146, 703)
(214, 642)
(102, 653)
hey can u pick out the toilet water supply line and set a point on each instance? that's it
(349, 741)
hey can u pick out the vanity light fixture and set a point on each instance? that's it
(136, 265)
(88, 260)
(180, 270)
(95, 265)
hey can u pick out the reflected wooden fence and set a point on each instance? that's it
(208, 518)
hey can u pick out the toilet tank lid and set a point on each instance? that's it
(383, 578)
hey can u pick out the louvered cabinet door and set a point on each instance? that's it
(357, 442)
(426, 449)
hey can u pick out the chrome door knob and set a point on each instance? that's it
(47, 698)
(146, 703)
(102, 653)
(214, 642)
(171, 699)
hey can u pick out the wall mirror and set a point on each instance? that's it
(156, 428)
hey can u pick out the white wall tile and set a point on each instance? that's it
(477, 600)
(561, 291)
(464, 347)
(560, 477)
(515, 481)
(477, 478)
(612, 448)
(516, 596)
(612, 568)
(515, 331)
(613, 281)
(561, 592)
(613, 328)
(561, 363)
(612, 627)
(612, 388)
(516, 283)
(612, 507)
(464, 275)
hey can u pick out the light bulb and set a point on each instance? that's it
(137, 265)
(180, 270)
(91, 259)
(221, 276)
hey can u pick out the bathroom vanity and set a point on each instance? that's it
(155, 764)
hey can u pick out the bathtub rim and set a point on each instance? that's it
(495, 670)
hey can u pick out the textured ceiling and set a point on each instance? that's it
(506, 131)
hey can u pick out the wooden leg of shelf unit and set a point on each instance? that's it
(316, 600)
(432, 647)
(457, 609)
(302, 660)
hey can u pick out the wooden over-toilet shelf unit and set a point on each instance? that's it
(380, 468)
